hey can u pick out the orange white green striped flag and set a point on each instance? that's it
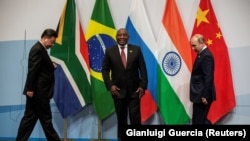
(174, 71)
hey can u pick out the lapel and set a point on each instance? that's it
(199, 57)
(129, 55)
(46, 56)
(197, 60)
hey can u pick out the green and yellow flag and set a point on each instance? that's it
(70, 52)
(100, 34)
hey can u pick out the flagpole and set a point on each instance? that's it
(99, 132)
(65, 124)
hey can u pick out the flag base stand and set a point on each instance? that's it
(99, 131)
(65, 138)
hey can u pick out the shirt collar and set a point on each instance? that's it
(123, 46)
(203, 49)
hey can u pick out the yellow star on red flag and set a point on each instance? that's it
(201, 16)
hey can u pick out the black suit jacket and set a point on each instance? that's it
(129, 78)
(40, 77)
(202, 78)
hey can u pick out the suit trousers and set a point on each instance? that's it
(127, 107)
(37, 108)
(200, 112)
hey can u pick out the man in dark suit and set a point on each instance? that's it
(202, 89)
(127, 82)
(39, 89)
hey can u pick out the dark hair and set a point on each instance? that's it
(49, 33)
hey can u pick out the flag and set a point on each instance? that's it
(141, 34)
(100, 34)
(207, 25)
(70, 52)
(175, 64)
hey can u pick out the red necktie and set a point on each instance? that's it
(123, 57)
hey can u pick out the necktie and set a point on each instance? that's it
(123, 57)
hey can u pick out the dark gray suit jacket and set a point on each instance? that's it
(129, 79)
(202, 78)
(40, 77)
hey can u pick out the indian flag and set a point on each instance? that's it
(174, 70)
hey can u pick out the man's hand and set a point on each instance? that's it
(30, 94)
(140, 91)
(55, 65)
(114, 90)
(204, 100)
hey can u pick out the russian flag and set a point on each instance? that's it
(140, 33)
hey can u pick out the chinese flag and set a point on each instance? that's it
(207, 25)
